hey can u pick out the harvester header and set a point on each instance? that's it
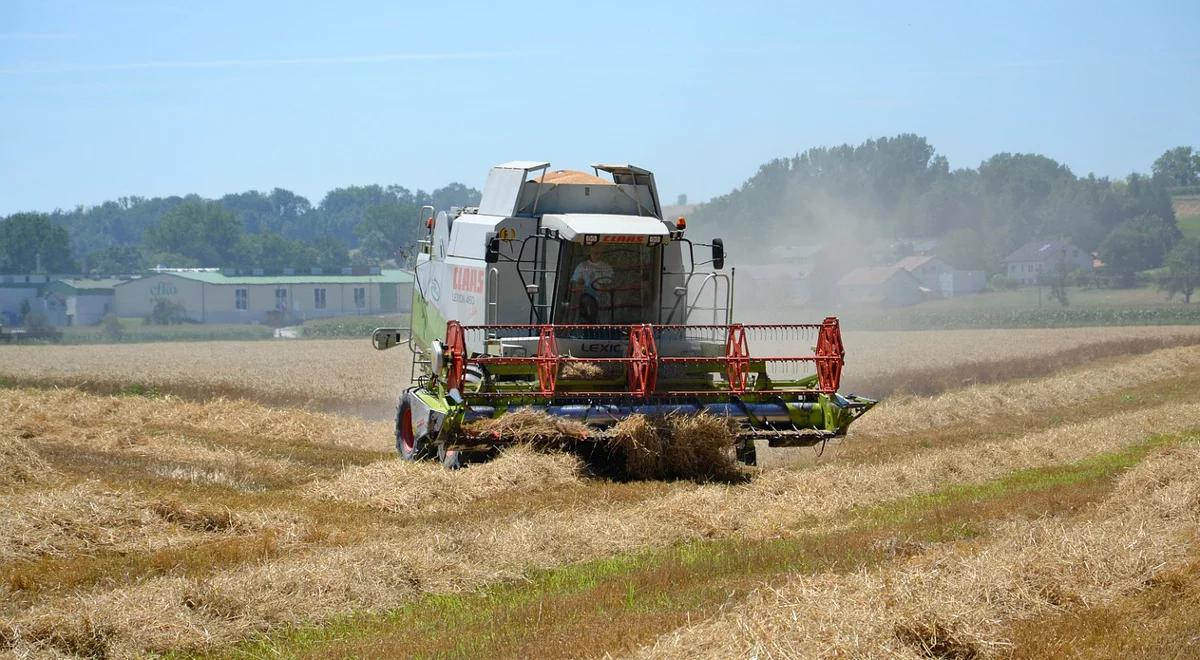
(568, 293)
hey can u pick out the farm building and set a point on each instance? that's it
(78, 301)
(962, 282)
(1028, 262)
(927, 269)
(216, 297)
(882, 285)
(19, 293)
(942, 278)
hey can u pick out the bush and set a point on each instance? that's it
(166, 312)
(110, 327)
(36, 322)
(1082, 279)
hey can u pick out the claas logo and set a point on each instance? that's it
(468, 279)
(622, 239)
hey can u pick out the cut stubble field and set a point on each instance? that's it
(1013, 477)
(349, 376)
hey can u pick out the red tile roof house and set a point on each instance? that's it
(1029, 261)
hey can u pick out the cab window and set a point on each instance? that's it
(608, 283)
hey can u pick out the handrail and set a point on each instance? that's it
(694, 304)
(492, 311)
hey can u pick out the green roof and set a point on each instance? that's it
(215, 277)
(82, 284)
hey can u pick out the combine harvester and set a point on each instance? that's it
(568, 293)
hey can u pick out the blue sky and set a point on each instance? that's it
(101, 100)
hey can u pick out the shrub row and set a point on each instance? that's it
(1038, 317)
(349, 326)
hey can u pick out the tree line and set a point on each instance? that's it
(366, 225)
(890, 188)
(899, 188)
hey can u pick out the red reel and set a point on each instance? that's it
(830, 355)
(737, 358)
(456, 355)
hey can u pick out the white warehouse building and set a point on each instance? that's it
(215, 297)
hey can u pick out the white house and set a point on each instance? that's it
(1029, 261)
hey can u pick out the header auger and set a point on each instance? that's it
(567, 293)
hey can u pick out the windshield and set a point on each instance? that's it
(609, 283)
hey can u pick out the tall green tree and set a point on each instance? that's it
(115, 260)
(1137, 244)
(900, 188)
(29, 242)
(1183, 269)
(271, 251)
(387, 231)
(281, 212)
(1178, 167)
(199, 230)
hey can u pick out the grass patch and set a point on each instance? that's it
(1030, 307)
(622, 602)
(1189, 225)
(1073, 316)
(351, 326)
(1094, 469)
(134, 331)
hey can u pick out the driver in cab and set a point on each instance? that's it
(588, 280)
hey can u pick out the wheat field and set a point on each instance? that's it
(208, 522)
(348, 374)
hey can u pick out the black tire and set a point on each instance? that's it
(456, 459)
(747, 453)
(410, 447)
(451, 459)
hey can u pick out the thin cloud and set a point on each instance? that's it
(247, 63)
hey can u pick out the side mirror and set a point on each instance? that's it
(718, 260)
(492, 255)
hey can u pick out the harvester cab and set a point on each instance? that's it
(569, 293)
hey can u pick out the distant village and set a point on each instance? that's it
(901, 273)
(810, 274)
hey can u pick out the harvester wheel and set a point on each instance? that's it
(452, 459)
(411, 448)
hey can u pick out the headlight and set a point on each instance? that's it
(591, 239)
